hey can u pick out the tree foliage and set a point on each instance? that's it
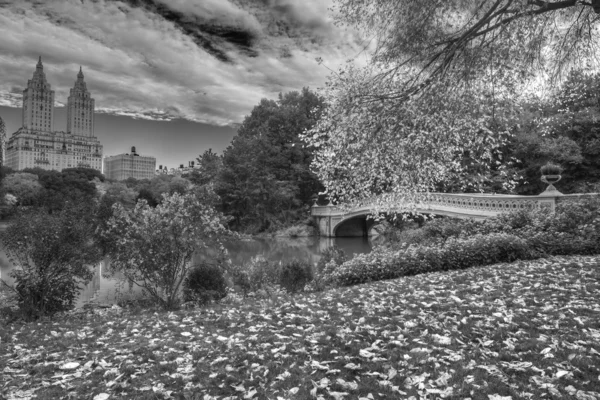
(419, 41)
(152, 190)
(564, 129)
(153, 247)
(24, 186)
(400, 147)
(68, 187)
(116, 192)
(209, 166)
(265, 178)
(441, 86)
(53, 255)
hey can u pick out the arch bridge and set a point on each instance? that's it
(334, 222)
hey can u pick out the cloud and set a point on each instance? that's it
(209, 61)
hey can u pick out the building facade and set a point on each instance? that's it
(129, 165)
(37, 144)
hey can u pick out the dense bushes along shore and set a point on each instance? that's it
(448, 244)
(441, 245)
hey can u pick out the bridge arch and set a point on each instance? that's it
(357, 224)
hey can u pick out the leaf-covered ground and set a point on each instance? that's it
(508, 331)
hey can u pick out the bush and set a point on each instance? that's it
(331, 259)
(205, 283)
(295, 275)
(437, 231)
(574, 228)
(153, 247)
(455, 253)
(258, 274)
(449, 244)
(53, 254)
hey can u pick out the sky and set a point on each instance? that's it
(171, 77)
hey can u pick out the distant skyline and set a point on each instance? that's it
(171, 77)
(172, 143)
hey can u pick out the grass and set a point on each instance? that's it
(508, 331)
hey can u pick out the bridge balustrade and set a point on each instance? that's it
(458, 205)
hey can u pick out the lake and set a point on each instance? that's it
(108, 290)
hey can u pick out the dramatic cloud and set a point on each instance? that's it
(203, 60)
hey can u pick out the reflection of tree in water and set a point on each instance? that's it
(285, 250)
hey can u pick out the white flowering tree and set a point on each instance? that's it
(441, 86)
(153, 247)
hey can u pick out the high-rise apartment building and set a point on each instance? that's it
(37, 144)
(129, 165)
(80, 109)
(38, 102)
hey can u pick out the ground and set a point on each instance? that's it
(526, 330)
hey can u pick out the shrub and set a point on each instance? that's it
(448, 244)
(52, 254)
(331, 258)
(438, 230)
(574, 228)
(571, 221)
(295, 275)
(455, 253)
(154, 246)
(258, 274)
(205, 283)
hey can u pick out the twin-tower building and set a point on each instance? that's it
(37, 144)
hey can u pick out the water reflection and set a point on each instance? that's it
(107, 290)
(285, 249)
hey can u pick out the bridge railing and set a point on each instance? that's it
(458, 205)
(475, 204)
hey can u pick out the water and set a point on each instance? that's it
(107, 290)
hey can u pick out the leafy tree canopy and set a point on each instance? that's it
(209, 165)
(444, 80)
(60, 189)
(417, 41)
(265, 178)
(564, 129)
(24, 186)
(89, 173)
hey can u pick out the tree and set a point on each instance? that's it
(117, 192)
(397, 149)
(443, 81)
(498, 39)
(153, 190)
(88, 173)
(564, 129)
(154, 246)
(265, 179)
(24, 186)
(209, 165)
(146, 195)
(53, 254)
(61, 189)
(178, 185)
